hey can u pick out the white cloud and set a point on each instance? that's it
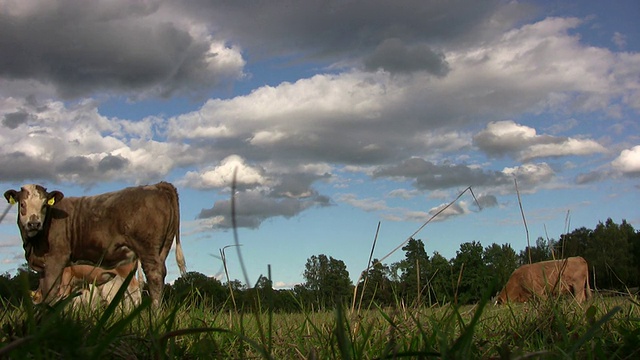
(369, 204)
(442, 212)
(619, 39)
(628, 162)
(403, 194)
(80, 145)
(522, 142)
(222, 176)
(569, 146)
(530, 176)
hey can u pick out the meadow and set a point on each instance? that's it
(602, 328)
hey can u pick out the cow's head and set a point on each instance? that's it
(33, 202)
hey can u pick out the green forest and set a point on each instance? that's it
(612, 251)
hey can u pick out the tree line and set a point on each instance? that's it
(611, 250)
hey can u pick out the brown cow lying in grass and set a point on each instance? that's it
(103, 284)
(555, 277)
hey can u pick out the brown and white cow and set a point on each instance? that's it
(105, 281)
(107, 230)
(555, 277)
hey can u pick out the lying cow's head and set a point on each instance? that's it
(33, 201)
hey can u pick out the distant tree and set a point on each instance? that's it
(634, 243)
(378, 285)
(414, 271)
(441, 282)
(541, 252)
(264, 283)
(469, 263)
(199, 288)
(305, 296)
(610, 252)
(574, 243)
(261, 296)
(284, 300)
(236, 285)
(6, 287)
(16, 288)
(328, 279)
(501, 261)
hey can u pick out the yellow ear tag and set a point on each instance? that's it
(12, 201)
(51, 201)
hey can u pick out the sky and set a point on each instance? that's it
(335, 116)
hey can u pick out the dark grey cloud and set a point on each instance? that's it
(394, 56)
(591, 177)
(321, 28)
(111, 162)
(81, 47)
(297, 185)
(253, 208)
(429, 176)
(15, 119)
(18, 167)
(76, 165)
(487, 201)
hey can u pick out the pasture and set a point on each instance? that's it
(553, 329)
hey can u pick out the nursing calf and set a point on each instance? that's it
(96, 284)
(553, 277)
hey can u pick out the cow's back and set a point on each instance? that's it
(109, 229)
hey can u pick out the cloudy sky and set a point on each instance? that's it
(335, 115)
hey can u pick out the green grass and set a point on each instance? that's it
(554, 329)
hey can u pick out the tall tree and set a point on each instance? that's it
(469, 266)
(328, 279)
(199, 288)
(414, 271)
(609, 251)
(442, 282)
(634, 243)
(574, 243)
(500, 260)
(541, 252)
(376, 285)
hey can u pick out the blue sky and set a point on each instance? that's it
(337, 115)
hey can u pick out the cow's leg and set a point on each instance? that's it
(52, 276)
(579, 293)
(155, 271)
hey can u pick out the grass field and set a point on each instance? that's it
(603, 328)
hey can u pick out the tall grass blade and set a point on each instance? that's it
(593, 330)
(342, 335)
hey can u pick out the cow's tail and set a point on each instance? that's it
(587, 290)
(180, 256)
(182, 265)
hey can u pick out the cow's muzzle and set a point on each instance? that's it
(34, 226)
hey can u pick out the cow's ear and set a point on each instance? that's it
(54, 197)
(11, 196)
